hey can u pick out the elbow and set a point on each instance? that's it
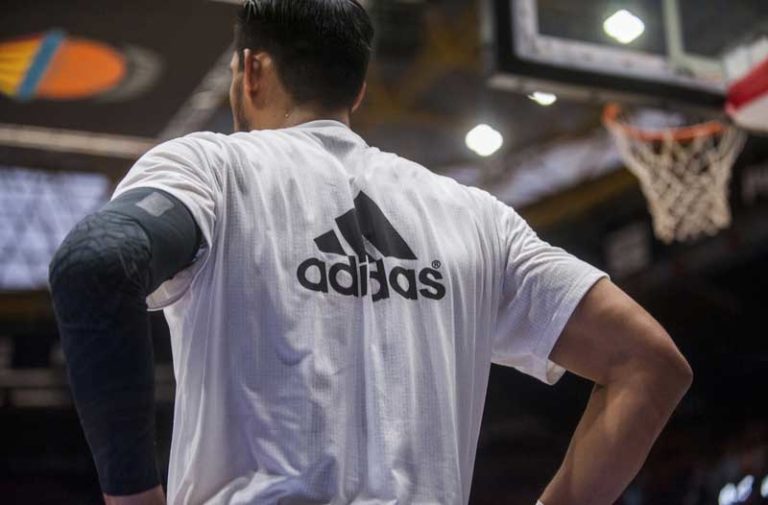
(85, 271)
(674, 366)
(686, 374)
(71, 262)
(672, 370)
(55, 271)
(660, 368)
(679, 374)
(70, 269)
(70, 282)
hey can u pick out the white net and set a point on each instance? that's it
(686, 182)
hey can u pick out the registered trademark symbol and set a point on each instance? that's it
(436, 264)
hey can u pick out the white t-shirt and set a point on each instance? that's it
(333, 340)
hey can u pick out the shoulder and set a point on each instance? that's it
(198, 143)
(195, 158)
(448, 187)
(200, 152)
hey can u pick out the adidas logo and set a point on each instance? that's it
(365, 228)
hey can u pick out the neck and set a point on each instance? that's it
(288, 115)
(301, 115)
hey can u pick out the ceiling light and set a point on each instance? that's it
(543, 99)
(744, 488)
(624, 26)
(484, 140)
(727, 495)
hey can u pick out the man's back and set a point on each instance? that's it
(333, 340)
(332, 336)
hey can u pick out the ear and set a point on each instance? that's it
(360, 96)
(252, 73)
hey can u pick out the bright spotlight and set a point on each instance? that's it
(624, 26)
(484, 140)
(543, 99)
(744, 488)
(764, 487)
(727, 495)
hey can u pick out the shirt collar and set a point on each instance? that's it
(332, 127)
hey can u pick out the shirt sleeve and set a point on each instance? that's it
(541, 287)
(187, 168)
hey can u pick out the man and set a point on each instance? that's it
(333, 309)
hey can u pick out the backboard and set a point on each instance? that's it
(564, 47)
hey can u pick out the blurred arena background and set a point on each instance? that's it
(506, 95)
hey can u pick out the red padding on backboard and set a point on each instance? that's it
(747, 89)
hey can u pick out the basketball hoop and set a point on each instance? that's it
(684, 172)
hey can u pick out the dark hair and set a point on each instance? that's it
(321, 48)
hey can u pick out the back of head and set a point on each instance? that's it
(321, 48)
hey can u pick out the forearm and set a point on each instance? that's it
(621, 422)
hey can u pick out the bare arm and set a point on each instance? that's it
(640, 377)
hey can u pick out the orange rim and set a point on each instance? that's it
(681, 134)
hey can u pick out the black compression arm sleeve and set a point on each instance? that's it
(99, 278)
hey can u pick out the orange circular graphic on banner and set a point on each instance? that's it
(57, 67)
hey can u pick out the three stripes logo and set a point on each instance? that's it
(365, 228)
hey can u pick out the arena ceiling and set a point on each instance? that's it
(427, 84)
